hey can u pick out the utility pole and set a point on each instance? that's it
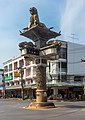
(73, 37)
(3, 82)
(22, 83)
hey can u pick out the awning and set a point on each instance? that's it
(32, 86)
(57, 84)
(65, 84)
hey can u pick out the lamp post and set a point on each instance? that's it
(22, 84)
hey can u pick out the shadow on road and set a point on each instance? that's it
(74, 106)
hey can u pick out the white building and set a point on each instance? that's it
(65, 74)
(68, 71)
(13, 79)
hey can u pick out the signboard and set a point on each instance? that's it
(8, 77)
(17, 74)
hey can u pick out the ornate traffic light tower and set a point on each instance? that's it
(40, 53)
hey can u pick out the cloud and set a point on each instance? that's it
(69, 16)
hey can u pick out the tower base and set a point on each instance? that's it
(41, 105)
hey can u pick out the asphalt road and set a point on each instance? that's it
(14, 110)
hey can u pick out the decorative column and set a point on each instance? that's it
(41, 95)
(39, 34)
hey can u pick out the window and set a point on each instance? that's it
(34, 70)
(17, 83)
(7, 84)
(6, 69)
(12, 83)
(28, 71)
(27, 62)
(63, 78)
(78, 78)
(10, 67)
(21, 63)
(63, 53)
(6, 75)
(11, 74)
(63, 65)
(44, 61)
(37, 61)
(15, 65)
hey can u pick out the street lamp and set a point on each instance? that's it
(21, 69)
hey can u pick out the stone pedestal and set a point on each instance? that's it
(41, 96)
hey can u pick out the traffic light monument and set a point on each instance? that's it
(39, 52)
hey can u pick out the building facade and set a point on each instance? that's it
(67, 70)
(13, 77)
(65, 74)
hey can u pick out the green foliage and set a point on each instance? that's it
(7, 96)
(26, 97)
(30, 97)
(83, 97)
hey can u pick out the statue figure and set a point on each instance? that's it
(26, 45)
(35, 26)
(34, 19)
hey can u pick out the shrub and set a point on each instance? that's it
(26, 97)
(30, 97)
(83, 97)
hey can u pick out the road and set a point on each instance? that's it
(14, 110)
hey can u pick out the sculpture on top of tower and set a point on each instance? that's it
(34, 19)
(37, 30)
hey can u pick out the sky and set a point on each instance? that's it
(65, 15)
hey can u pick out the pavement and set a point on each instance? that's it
(13, 109)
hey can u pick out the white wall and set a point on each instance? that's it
(75, 52)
